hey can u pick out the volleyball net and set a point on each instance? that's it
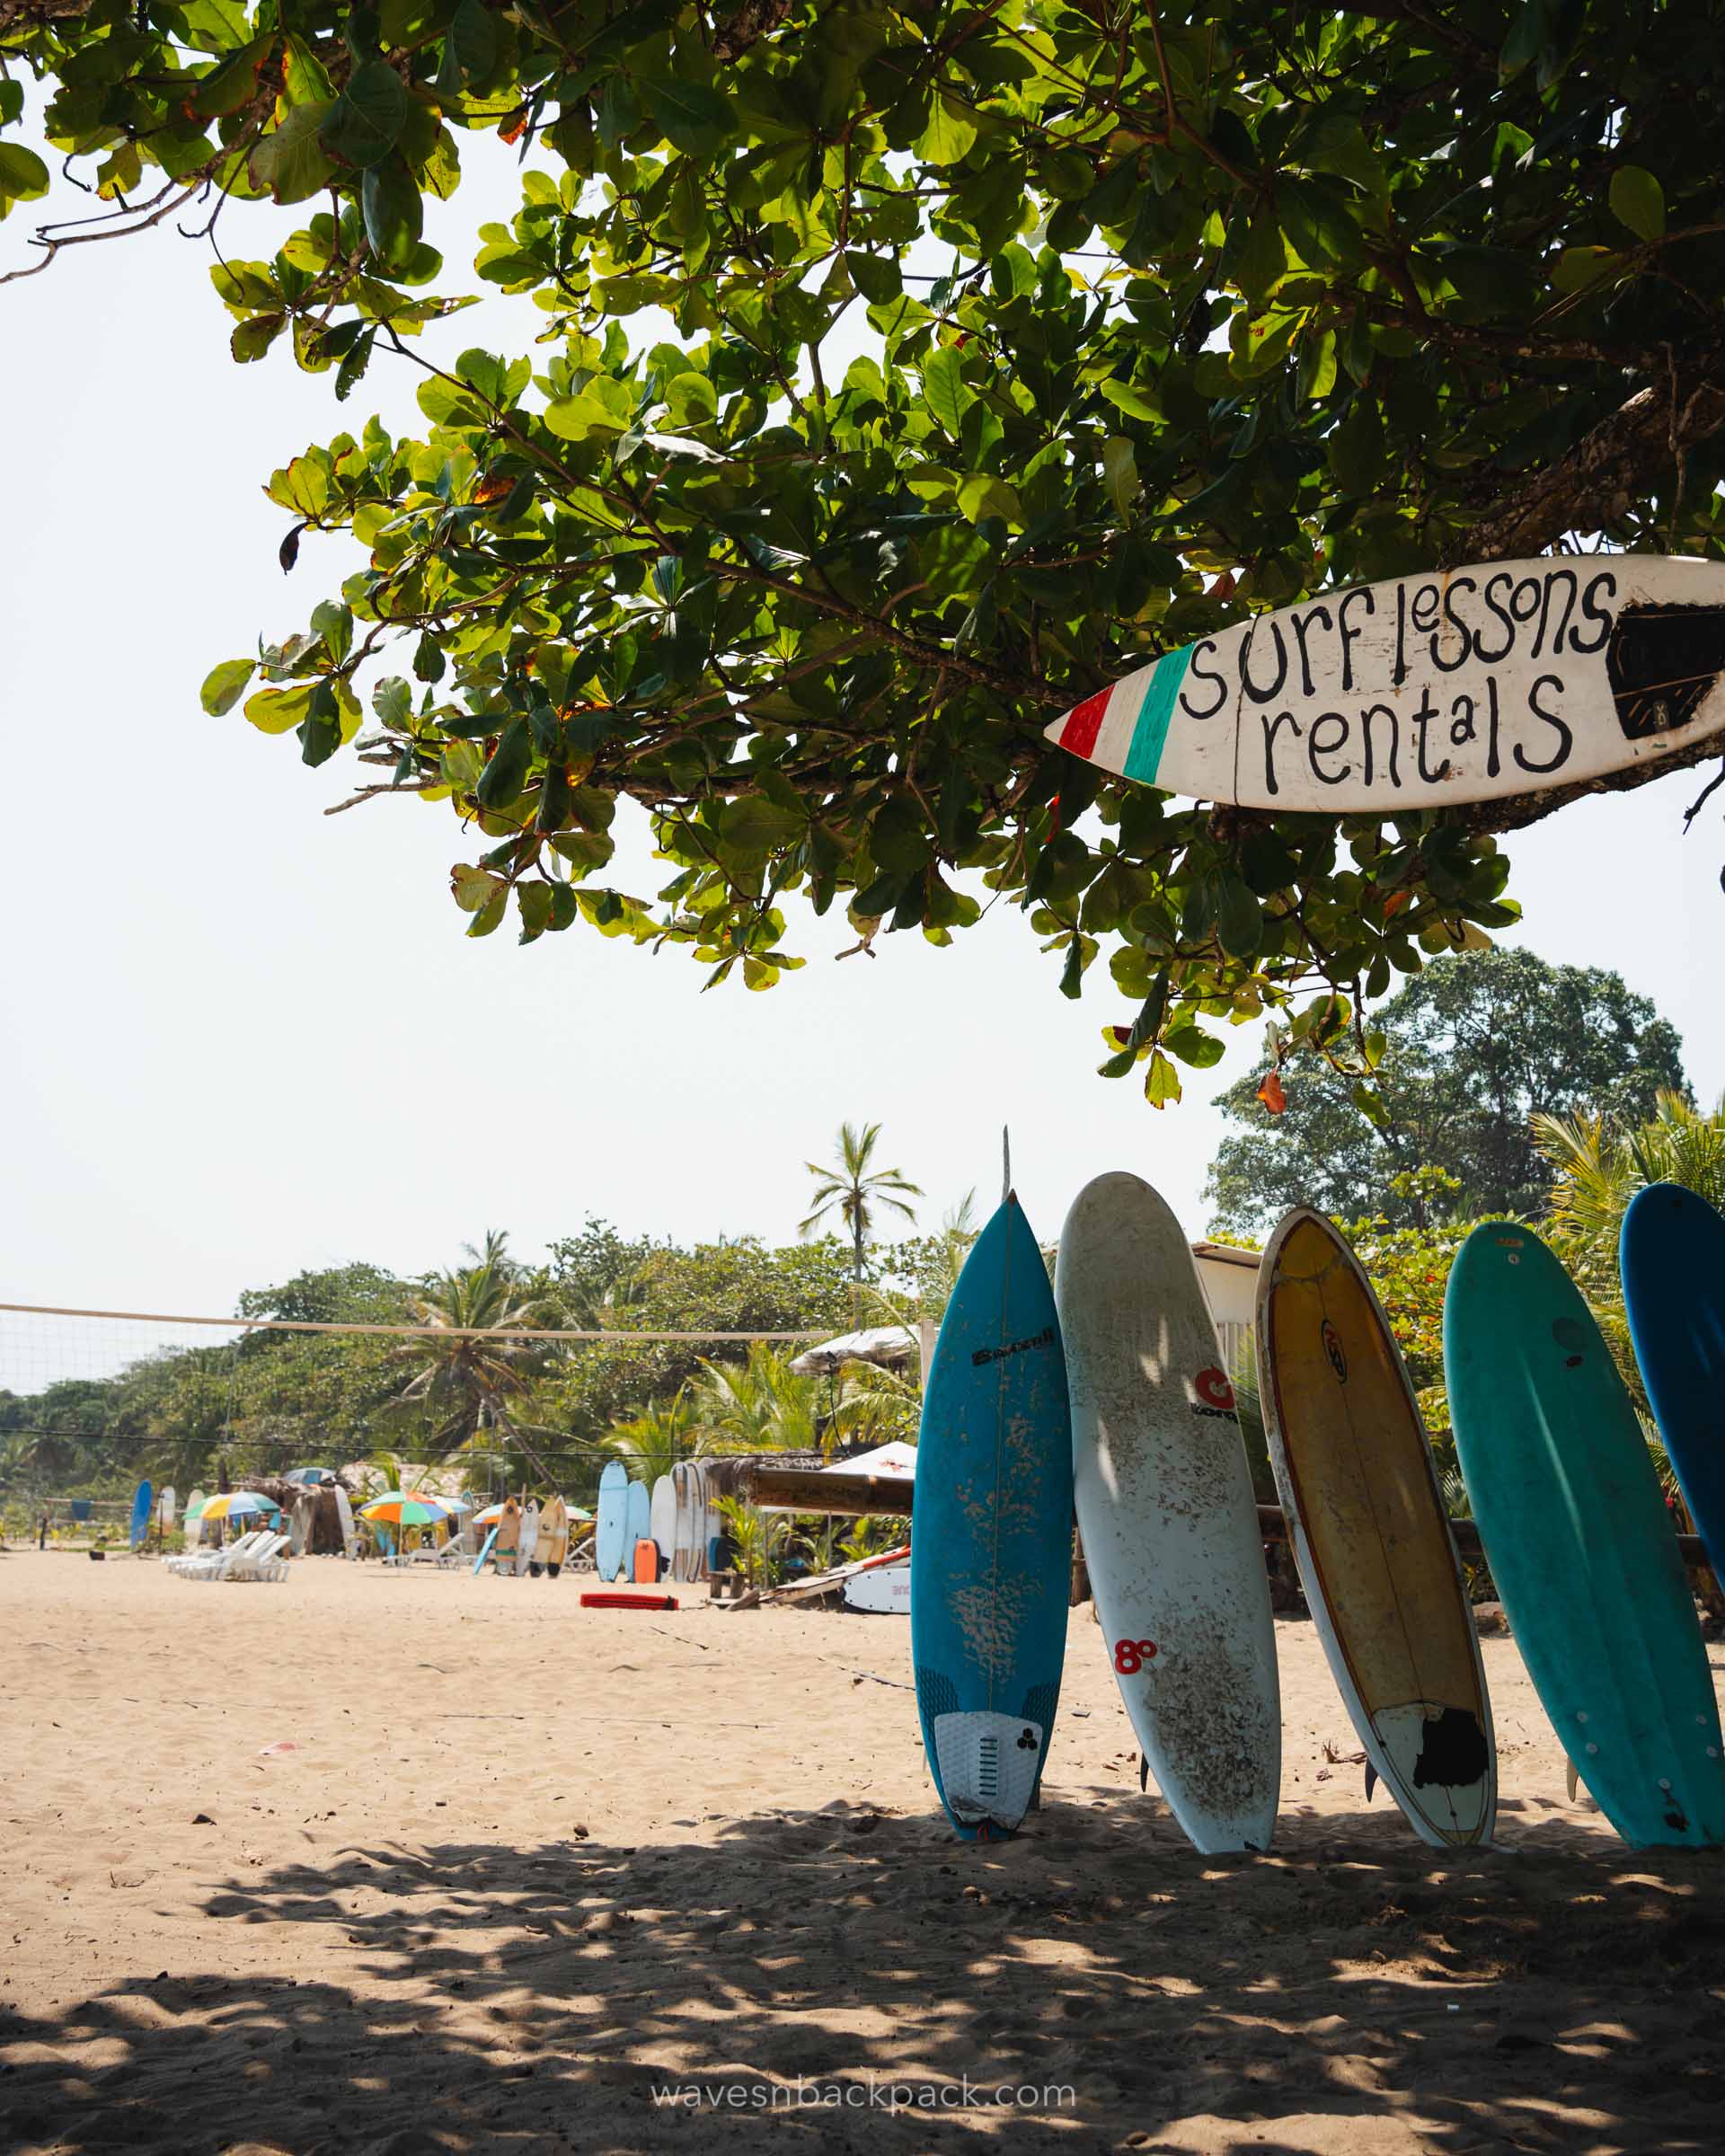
(90, 1395)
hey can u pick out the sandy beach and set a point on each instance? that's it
(376, 1861)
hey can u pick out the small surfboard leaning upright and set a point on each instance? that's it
(1569, 1511)
(1370, 1534)
(1167, 1516)
(554, 1538)
(990, 1563)
(1672, 1251)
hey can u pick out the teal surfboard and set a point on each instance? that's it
(991, 1547)
(489, 1544)
(140, 1522)
(1573, 1522)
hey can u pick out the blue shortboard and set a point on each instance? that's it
(991, 1539)
(140, 1526)
(489, 1545)
(1569, 1510)
(613, 1519)
(1673, 1256)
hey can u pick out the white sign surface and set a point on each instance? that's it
(1459, 685)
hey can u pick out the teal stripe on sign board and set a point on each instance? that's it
(1150, 735)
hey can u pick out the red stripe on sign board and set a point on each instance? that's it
(1083, 723)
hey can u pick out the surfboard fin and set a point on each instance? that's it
(1570, 1777)
(1371, 1780)
(1144, 1771)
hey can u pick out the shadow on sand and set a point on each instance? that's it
(1350, 1990)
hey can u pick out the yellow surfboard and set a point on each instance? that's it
(1369, 1532)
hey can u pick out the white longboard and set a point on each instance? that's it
(194, 1520)
(1167, 1516)
(1463, 684)
(530, 1539)
(684, 1486)
(662, 1513)
(344, 1516)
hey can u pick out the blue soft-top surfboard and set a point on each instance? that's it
(1569, 1510)
(1673, 1256)
(141, 1513)
(991, 1550)
(489, 1544)
(613, 1519)
(637, 1524)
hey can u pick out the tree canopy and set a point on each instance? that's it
(1475, 1048)
(907, 374)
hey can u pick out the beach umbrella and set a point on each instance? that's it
(234, 1505)
(310, 1478)
(406, 1508)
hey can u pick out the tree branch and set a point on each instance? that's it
(1596, 483)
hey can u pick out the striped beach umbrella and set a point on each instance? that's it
(234, 1504)
(405, 1508)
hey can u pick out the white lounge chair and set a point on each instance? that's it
(263, 1562)
(208, 1562)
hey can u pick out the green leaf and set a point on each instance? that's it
(1160, 1081)
(949, 135)
(504, 777)
(982, 495)
(693, 399)
(225, 684)
(1192, 1044)
(1121, 472)
(489, 915)
(754, 828)
(1577, 267)
(292, 163)
(1239, 919)
(235, 83)
(393, 701)
(22, 175)
(394, 214)
(1638, 201)
(877, 277)
(944, 391)
(1355, 448)
(693, 116)
(1135, 402)
(1262, 258)
(251, 339)
(365, 121)
(279, 711)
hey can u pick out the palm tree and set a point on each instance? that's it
(468, 1380)
(1600, 1168)
(759, 1406)
(651, 1440)
(849, 1190)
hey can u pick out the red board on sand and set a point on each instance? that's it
(628, 1602)
(646, 1566)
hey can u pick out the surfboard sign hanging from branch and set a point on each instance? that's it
(1463, 685)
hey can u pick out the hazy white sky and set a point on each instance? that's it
(243, 1038)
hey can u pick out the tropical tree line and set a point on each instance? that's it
(482, 1390)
